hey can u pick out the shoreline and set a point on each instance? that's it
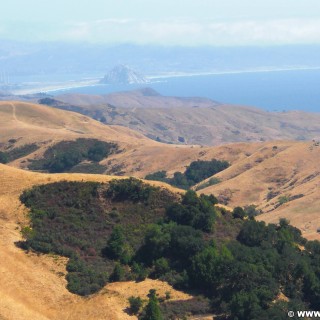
(61, 86)
(46, 88)
(212, 73)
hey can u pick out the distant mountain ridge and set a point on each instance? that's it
(122, 74)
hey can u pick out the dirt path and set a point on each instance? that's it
(14, 112)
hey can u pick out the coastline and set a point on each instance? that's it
(52, 87)
(212, 73)
(74, 84)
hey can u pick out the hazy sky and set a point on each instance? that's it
(168, 22)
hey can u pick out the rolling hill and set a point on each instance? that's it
(282, 178)
(262, 173)
(191, 120)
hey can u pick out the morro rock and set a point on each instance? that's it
(122, 74)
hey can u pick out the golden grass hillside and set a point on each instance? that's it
(258, 170)
(32, 287)
(32, 123)
(282, 178)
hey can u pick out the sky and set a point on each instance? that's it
(164, 22)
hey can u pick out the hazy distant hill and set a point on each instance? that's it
(60, 58)
(192, 120)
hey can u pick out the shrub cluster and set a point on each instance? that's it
(66, 155)
(17, 153)
(196, 172)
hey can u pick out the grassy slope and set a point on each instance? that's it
(291, 169)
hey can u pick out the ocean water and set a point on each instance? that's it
(272, 90)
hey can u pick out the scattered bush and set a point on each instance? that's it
(251, 211)
(283, 199)
(182, 309)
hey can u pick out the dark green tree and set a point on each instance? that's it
(116, 243)
(239, 213)
(118, 273)
(152, 310)
(3, 157)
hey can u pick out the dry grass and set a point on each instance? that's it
(289, 170)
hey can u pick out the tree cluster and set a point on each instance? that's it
(196, 172)
(65, 155)
(136, 231)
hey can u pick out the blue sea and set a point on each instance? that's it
(271, 90)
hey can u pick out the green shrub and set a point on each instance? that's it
(3, 157)
(152, 310)
(135, 304)
(71, 219)
(194, 211)
(118, 273)
(283, 199)
(210, 182)
(239, 213)
(130, 189)
(161, 267)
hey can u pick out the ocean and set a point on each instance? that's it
(269, 90)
